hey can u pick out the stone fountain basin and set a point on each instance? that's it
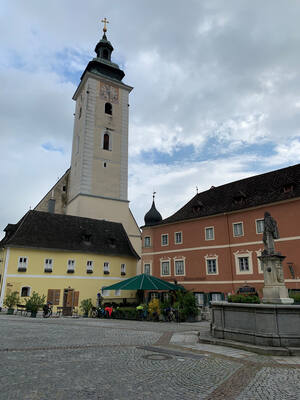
(259, 324)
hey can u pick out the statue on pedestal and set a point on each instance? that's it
(274, 290)
(270, 233)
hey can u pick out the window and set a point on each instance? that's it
(147, 269)
(118, 292)
(199, 299)
(54, 296)
(209, 233)
(104, 292)
(244, 264)
(22, 264)
(238, 229)
(106, 141)
(178, 237)
(48, 265)
(147, 241)
(216, 297)
(211, 266)
(164, 239)
(154, 295)
(71, 266)
(165, 268)
(108, 108)
(80, 111)
(179, 267)
(89, 266)
(260, 226)
(123, 269)
(25, 291)
(106, 268)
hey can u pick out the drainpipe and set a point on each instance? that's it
(4, 276)
(229, 249)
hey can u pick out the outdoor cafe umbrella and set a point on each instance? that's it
(144, 282)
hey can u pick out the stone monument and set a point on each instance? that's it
(274, 290)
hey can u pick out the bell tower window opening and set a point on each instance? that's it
(106, 141)
(108, 108)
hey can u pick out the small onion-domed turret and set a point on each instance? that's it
(152, 217)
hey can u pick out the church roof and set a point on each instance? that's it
(280, 185)
(39, 229)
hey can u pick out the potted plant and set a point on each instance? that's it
(34, 303)
(11, 300)
(154, 309)
(86, 306)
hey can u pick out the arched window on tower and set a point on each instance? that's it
(106, 141)
(105, 54)
(108, 108)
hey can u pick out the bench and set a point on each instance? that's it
(66, 311)
(59, 311)
(21, 308)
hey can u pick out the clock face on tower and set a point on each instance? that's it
(109, 93)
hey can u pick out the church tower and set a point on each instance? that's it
(99, 166)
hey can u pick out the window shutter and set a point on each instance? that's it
(50, 297)
(56, 297)
(76, 298)
(70, 298)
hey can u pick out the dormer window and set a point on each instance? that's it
(111, 242)
(239, 198)
(108, 108)
(86, 237)
(288, 188)
(197, 207)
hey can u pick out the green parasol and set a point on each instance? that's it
(144, 282)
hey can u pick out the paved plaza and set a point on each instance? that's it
(70, 358)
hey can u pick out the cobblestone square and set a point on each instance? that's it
(81, 358)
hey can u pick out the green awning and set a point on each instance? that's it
(144, 282)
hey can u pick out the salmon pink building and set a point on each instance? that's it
(212, 244)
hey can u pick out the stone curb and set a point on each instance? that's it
(265, 350)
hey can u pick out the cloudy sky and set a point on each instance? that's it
(216, 93)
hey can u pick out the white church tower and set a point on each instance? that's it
(98, 181)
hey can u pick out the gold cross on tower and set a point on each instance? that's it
(105, 21)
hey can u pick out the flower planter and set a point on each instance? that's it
(33, 314)
(10, 311)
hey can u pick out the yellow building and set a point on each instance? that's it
(66, 258)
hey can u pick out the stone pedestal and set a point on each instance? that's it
(274, 291)
(276, 295)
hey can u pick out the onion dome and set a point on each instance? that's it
(152, 217)
(102, 64)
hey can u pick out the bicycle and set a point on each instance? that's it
(97, 312)
(47, 310)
